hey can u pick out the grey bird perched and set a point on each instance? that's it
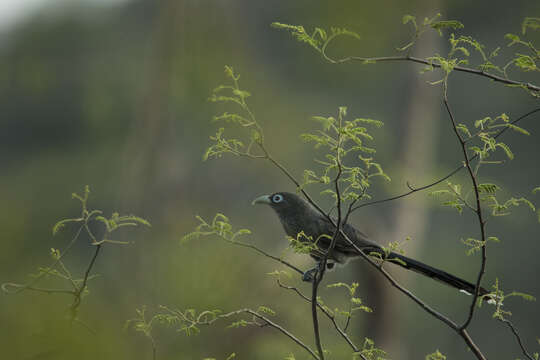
(297, 215)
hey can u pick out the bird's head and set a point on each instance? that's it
(285, 204)
(279, 200)
(295, 214)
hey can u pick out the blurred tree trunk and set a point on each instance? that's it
(420, 124)
(150, 137)
(148, 152)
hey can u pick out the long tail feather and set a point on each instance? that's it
(436, 274)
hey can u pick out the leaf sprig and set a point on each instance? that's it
(347, 152)
(246, 120)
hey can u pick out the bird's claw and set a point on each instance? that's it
(309, 275)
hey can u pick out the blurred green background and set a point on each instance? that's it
(114, 95)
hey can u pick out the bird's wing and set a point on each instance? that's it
(356, 236)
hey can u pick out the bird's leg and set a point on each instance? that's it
(310, 274)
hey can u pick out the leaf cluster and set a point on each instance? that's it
(219, 226)
(319, 38)
(483, 143)
(437, 355)
(452, 196)
(245, 119)
(370, 352)
(111, 224)
(78, 286)
(475, 245)
(190, 321)
(525, 62)
(500, 313)
(428, 23)
(348, 156)
(304, 244)
(355, 303)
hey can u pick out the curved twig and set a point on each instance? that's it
(483, 73)
(22, 287)
(482, 223)
(331, 317)
(447, 176)
(264, 253)
(518, 338)
(78, 294)
(478, 210)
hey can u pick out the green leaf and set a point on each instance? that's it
(266, 310)
(335, 31)
(518, 129)
(437, 355)
(409, 19)
(514, 39)
(238, 324)
(446, 24)
(473, 244)
(438, 193)
(369, 351)
(326, 122)
(532, 23)
(464, 129)
(62, 223)
(191, 236)
(506, 150)
(376, 123)
(300, 34)
(488, 188)
(525, 62)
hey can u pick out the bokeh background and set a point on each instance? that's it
(113, 94)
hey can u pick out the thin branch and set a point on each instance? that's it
(392, 281)
(86, 326)
(254, 314)
(518, 338)
(264, 253)
(470, 343)
(482, 223)
(412, 191)
(78, 293)
(463, 200)
(447, 176)
(478, 212)
(322, 263)
(22, 287)
(483, 73)
(349, 317)
(6, 287)
(316, 281)
(325, 311)
(460, 330)
(283, 331)
(87, 273)
(289, 265)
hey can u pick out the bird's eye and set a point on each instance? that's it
(277, 198)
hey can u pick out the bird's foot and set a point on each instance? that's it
(309, 275)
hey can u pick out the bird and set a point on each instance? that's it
(297, 216)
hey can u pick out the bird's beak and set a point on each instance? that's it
(265, 199)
